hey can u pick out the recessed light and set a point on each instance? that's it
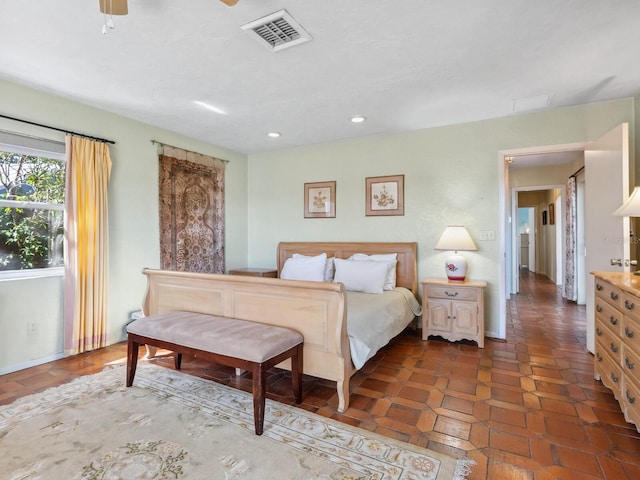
(274, 134)
(358, 119)
(208, 106)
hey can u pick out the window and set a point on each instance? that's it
(31, 207)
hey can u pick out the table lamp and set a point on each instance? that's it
(456, 237)
(631, 207)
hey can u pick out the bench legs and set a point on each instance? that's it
(258, 370)
(259, 386)
(132, 360)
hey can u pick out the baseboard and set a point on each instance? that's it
(31, 363)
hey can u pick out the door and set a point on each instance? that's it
(606, 187)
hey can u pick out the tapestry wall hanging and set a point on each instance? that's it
(191, 211)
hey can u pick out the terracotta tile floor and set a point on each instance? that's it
(527, 408)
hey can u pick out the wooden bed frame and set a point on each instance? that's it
(316, 309)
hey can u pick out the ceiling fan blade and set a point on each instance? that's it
(230, 3)
(114, 7)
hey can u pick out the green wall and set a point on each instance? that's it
(133, 219)
(452, 177)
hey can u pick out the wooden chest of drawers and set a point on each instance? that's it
(617, 340)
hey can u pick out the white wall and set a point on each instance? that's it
(133, 217)
(451, 177)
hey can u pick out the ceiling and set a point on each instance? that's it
(404, 65)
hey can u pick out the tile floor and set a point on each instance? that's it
(524, 408)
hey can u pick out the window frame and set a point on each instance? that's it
(24, 150)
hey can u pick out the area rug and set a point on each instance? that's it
(171, 425)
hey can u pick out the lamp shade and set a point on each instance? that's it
(631, 207)
(456, 238)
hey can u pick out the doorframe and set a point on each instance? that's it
(504, 206)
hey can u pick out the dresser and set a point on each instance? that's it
(617, 339)
(453, 310)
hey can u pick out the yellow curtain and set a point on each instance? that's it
(86, 244)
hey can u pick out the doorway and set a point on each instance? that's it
(545, 167)
(538, 211)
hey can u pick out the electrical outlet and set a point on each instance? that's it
(32, 328)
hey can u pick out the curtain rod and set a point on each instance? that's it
(90, 137)
(156, 142)
(576, 172)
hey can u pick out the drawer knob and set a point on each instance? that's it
(629, 397)
(614, 296)
(598, 331)
(614, 378)
(628, 305)
(598, 356)
(598, 308)
(613, 347)
(628, 333)
(454, 294)
(630, 365)
(599, 287)
(613, 320)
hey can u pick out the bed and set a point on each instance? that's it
(319, 310)
(373, 319)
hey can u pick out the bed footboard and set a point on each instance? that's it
(316, 310)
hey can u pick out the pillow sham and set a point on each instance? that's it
(391, 259)
(359, 276)
(307, 268)
(328, 266)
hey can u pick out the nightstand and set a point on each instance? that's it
(453, 310)
(255, 272)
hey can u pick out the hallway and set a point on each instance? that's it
(525, 408)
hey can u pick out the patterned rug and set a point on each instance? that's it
(170, 425)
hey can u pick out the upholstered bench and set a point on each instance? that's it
(251, 346)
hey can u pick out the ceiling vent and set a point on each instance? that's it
(277, 31)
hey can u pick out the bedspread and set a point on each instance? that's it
(374, 319)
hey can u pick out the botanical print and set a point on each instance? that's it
(384, 196)
(318, 200)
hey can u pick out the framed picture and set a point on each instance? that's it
(320, 200)
(384, 195)
(552, 214)
(544, 217)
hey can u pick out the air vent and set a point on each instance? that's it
(277, 31)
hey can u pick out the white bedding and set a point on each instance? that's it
(375, 318)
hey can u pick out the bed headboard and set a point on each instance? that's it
(406, 269)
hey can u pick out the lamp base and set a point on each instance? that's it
(456, 268)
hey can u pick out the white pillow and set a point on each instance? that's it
(358, 276)
(328, 266)
(391, 259)
(306, 268)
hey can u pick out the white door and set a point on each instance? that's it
(606, 187)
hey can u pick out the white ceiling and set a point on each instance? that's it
(405, 65)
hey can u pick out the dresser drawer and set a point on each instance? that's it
(610, 372)
(608, 315)
(630, 333)
(631, 305)
(609, 293)
(630, 401)
(609, 343)
(631, 363)
(453, 292)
